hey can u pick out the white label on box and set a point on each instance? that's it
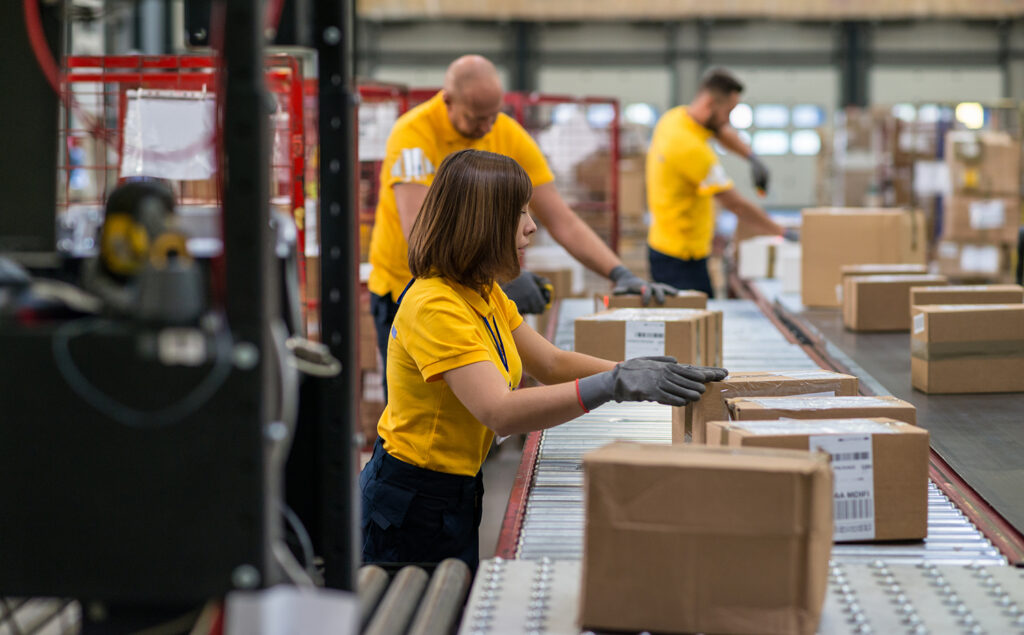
(948, 251)
(644, 339)
(931, 178)
(853, 492)
(987, 214)
(919, 323)
(979, 258)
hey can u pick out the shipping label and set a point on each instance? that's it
(645, 339)
(987, 214)
(919, 323)
(853, 493)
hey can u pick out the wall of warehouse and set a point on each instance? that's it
(659, 64)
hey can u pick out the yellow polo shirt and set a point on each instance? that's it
(683, 174)
(419, 141)
(440, 326)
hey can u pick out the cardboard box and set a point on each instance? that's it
(756, 257)
(689, 299)
(977, 262)
(991, 219)
(983, 162)
(747, 408)
(368, 355)
(713, 540)
(787, 266)
(881, 303)
(880, 469)
(968, 348)
(632, 187)
(712, 407)
(968, 294)
(833, 237)
(622, 334)
(875, 269)
(561, 283)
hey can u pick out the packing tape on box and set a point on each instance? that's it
(937, 351)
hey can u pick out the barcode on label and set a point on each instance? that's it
(850, 509)
(850, 456)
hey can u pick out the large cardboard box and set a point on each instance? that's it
(787, 266)
(975, 262)
(875, 269)
(756, 257)
(833, 237)
(881, 303)
(688, 299)
(712, 540)
(712, 407)
(993, 219)
(747, 408)
(968, 348)
(880, 469)
(983, 162)
(622, 334)
(968, 294)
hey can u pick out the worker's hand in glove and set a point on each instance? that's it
(759, 173)
(791, 235)
(530, 292)
(627, 283)
(658, 379)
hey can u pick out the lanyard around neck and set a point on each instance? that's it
(496, 338)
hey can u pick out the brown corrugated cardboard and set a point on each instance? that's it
(876, 269)
(975, 261)
(683, 300)
(992, 219)
(625, 333)
(968, 294)
(967, 348)
(561, 283)
(833, 237)
(881, 303)
(695, 539)
(747, 408)
(983, 162)
(711, 406)
(898, 464)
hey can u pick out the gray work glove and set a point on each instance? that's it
(530, 292)
(758, 173)
(628, 283)
(791, 235)
(658, 379)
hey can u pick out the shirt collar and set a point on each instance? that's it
(699, 130)
(439, 113)
(474, 299)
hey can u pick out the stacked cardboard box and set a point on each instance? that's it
(880, 469)
(968, 348)
(875, 269)
(713, 540)
(712, 407)
(747, 408)
(682, 300)
(833, 237)
(692, 336)
(968, 294)
(787, 266)
(881, 303)
(756, 257)
(981, 215)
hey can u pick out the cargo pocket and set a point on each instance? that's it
(385, 508)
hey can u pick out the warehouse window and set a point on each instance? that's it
(808, 116)
(741, 117)
(971, 115)
(771, 142)
(771, 116)
(904, 112)
(805, 143)
(640, 114)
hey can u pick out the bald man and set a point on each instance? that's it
(467, 114)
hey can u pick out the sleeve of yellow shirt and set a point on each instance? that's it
(411, 157)
(715, 179)
(439, 335)
(528, 155)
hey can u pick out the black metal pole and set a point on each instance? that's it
(251, 293)
(333, 37)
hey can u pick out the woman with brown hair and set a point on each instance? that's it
(456, 353)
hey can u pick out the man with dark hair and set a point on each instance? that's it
(683, 175)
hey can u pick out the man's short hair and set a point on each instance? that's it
(720, 82)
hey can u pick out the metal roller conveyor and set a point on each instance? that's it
(552, 524)
(880, 596)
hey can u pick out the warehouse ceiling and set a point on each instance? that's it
(690, 9)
